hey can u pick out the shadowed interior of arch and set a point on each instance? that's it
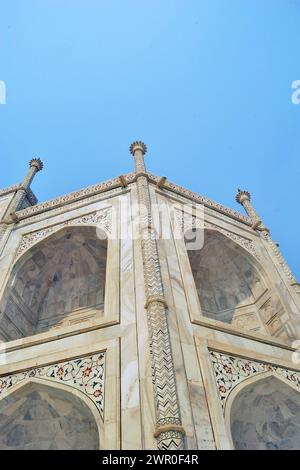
(232, 288)
(265, 415)
(59, 281)
(38, 416)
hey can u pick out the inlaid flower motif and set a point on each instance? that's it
(60, 372)
(87, 372)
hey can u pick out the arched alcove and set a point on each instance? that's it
(37, 416)
(265, 415)
(59, 281)
(232, 287)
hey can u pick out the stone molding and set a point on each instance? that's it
(279, 260)
(74, 196)
(115, 183)
(202, 200)
(85, 374)
(10, 189)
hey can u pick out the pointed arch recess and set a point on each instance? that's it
(252, 304)
(262, 414)
(35, 384)
(59, 280)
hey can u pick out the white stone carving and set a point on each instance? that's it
(74, 196)
(202, 200)
(101, 218)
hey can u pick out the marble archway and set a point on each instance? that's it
(232, 286)
(58, 281)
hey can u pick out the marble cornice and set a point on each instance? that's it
(74, 196)
(10, 189)
(116, 183)
(200, 199)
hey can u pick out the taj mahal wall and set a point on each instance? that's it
(201, 346)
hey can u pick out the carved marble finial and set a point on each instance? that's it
(242, 196)
(37, 163)
(138, 145)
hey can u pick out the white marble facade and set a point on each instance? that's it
(76, 325)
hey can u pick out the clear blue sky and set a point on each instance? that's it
(205, 83)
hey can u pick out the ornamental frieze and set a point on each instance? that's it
(101, 219)
(202, 200)
(74, 196)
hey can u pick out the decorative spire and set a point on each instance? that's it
(138, 145)
(242, 196)
(138, 150)
(36, 163)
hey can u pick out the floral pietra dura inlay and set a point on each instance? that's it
(231, 371)
(85, 374)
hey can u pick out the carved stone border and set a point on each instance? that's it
(74, 196)
(85, 374)
(115, 183)
(202, 200)
(280, 261)
(232, 370)
(101, 218)
(10, 189)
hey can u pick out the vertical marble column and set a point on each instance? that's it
(7, 220)
(169, 431)
(35, 165)
(244, 198)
